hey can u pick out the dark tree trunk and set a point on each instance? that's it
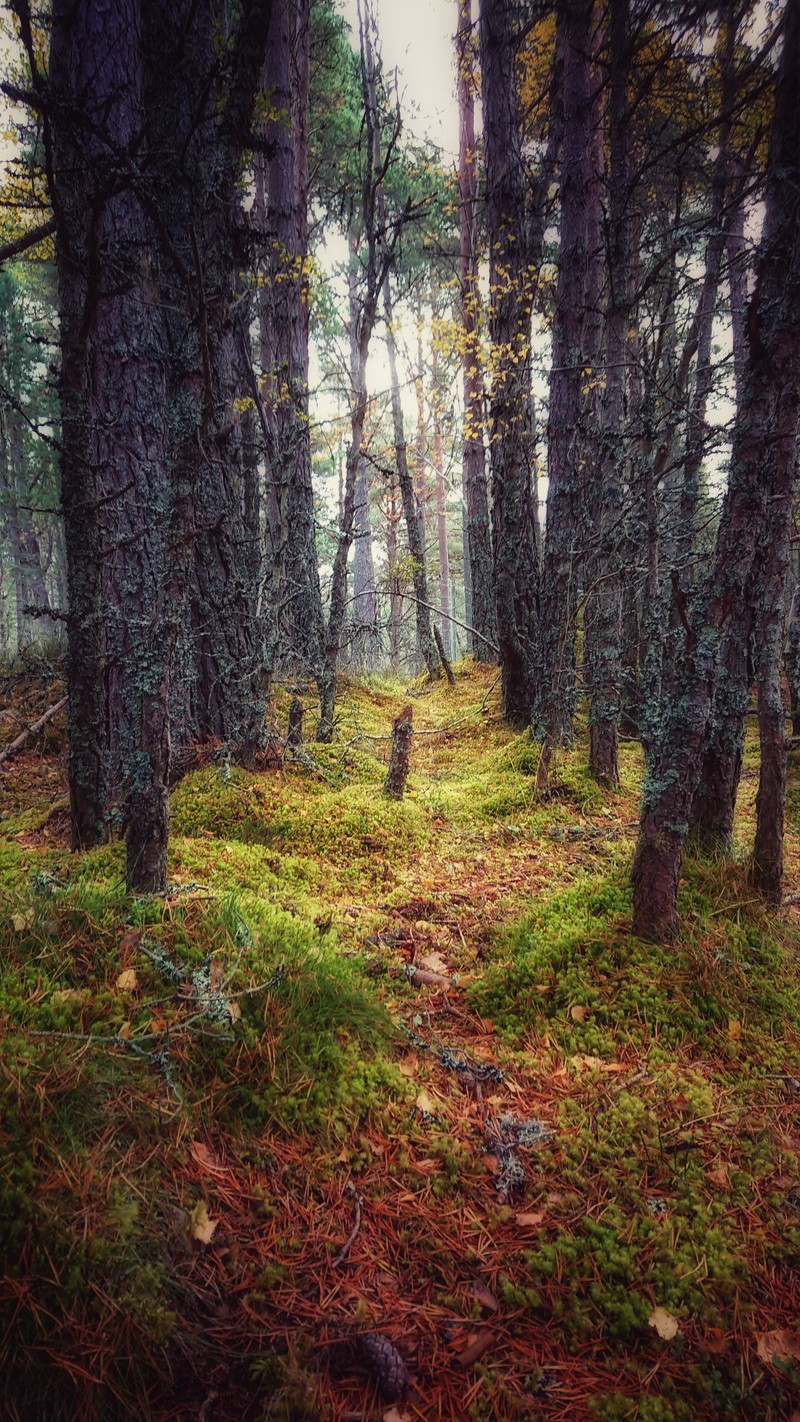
(561, 568)
(113, 473)
(284, 308)
(604, 605)
(771, 799)
(762, 466)
(512, 284)
(793, 659)
(478, 552)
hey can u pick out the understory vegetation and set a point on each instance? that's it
(395, 1070)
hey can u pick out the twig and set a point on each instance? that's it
(355, 1231)
(32, 730)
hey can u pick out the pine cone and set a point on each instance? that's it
(385, 1364)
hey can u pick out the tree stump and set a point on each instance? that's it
(294, 734)
(402, 731)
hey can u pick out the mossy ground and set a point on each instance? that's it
(190, 1084)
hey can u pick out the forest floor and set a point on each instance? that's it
(383, 1090)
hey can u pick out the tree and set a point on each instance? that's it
(762, 471)
(512, 285)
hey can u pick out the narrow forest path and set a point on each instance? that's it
(385, 1099)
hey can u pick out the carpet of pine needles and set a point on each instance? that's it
(402, 1229)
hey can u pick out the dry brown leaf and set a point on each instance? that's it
(585, 1063)
(395, 1415)
(715, 1342)
(425, 1103)
(664, 1322)
(409, 1066)
(434, 962)
(476, 1349)
(124, 1031)
(158, 1023)
(734, 1028)
(21, 921)
(578, 1013)
(202, 1227)
(779, 1345)
(529, 1219)
(234, 1010)
(128, 945)
(485, 1297)
(204, 1156)
(719, 1177)
(127, 980)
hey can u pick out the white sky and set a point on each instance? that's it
(417, 40)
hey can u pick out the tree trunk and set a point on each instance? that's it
(478, 573)
(114, 480)
(604, 603)
(284, 311)
(771, 798)
(561, 569)
(512, 284)
(793, 659)
(762, 466)
(416, 546)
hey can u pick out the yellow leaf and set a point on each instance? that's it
(585, 1063)
(424, 1102)
(201, 1225)
(734, 1028)
(665, 1323)
(578, 1013)
(127, 980)
(124, 1031)
(234, 1011)
(21, 921)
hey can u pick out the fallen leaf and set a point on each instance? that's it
(530, 1218)
(779, 1345)
(584, 1063)
(395, 1415)
(158, 1023)
(476, 1349)
(665, 1323)
(715, 1342)
(734, 1028)
(201, 1226)
(124, 1031)
(434, 961)
(578, 1013)
(127, 980)
(21, 921)
(424, 1102)
(485, 1297)
(128, 945)
(234, 1011)
(409, 1065)
(67, 995)
(204, 1156)
(719, 1177)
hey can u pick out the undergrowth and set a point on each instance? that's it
(238, 1132)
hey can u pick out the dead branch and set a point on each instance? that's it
(33, 730)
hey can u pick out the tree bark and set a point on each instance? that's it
(561, 568)
(481, 613)
(762, 465)
(512, 284)
(284, 315)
